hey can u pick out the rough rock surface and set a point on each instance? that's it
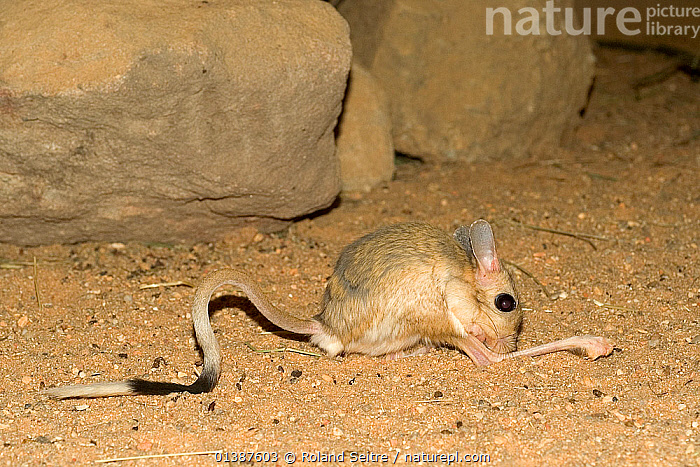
(140, 120)
(365, 147)
(459, 93)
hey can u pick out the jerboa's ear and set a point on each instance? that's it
(484, 247)
(461, 235)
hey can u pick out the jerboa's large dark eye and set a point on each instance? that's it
(505, 302)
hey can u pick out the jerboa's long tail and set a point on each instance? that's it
(205, 337)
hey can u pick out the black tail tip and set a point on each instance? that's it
(205, 383)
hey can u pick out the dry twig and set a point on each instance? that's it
(36, 287)
(612, 307)
(580, 236)
(551, 296)
(12, 264)
(282, 349)
(165, 284)
(156, 456)
(432, 401)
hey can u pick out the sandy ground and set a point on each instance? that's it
(630, 176)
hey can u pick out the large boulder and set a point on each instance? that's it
(457, 92)
(136, 120)
(365, 147)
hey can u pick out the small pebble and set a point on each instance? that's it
(158, 362)
(296, 373)
(618, 415)
(144, 445)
